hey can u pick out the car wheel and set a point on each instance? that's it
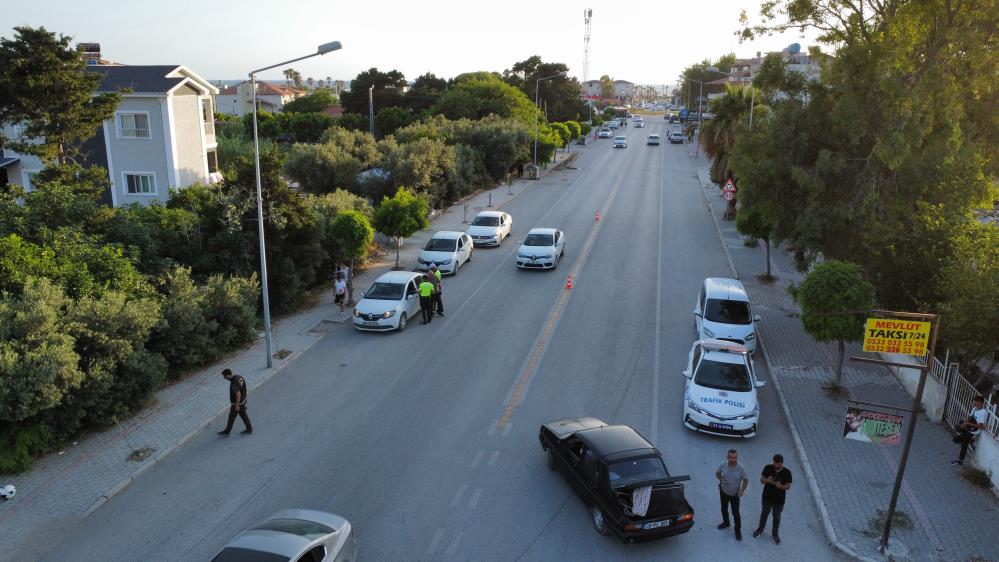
(402, 322)
(469, 255)
(599, 522)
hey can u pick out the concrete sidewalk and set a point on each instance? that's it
(70, 484)
(852, 481)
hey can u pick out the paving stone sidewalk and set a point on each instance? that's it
(70, 484)
(951, 519)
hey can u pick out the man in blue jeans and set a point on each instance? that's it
(776, 480)
(732, 482)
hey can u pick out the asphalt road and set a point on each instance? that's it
(427, 439)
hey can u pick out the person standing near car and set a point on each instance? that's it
(776, 480)
(426, 289)
(435, 278)
(732, 483)
(237, 403)
(339, 291)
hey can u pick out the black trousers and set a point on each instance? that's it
(427, 308)
(235, 410)
(964, 438)
(769, 507)
(727, 500)
(438, 303)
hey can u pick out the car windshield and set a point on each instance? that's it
(539, 240)
(653, 137)
(308, 529)
(485, 221)
(633, 471)
(385, 291)
(619, 138)
(235, 554)
(723, 376)
(727, 312)
(441, 245)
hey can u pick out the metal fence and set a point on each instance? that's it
(960, 394)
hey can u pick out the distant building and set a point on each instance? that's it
(161, 136)
(622, 89)
(238, 100)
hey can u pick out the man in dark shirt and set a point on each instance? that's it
(776, 480)
(237, 402)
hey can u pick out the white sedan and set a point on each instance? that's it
(541, 249)
(389, 303)
(447, 249)
(620, 142)
(720, 393)
(489, 228)
(294, 534)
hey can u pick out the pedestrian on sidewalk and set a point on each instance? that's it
(426, 299)
(339, 291)
(969, 428)
(776, 480)
(435, 278)
(237, 403)
(732, 482)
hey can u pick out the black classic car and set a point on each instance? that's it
(620, 477)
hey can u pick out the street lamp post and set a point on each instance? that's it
(537, 86)
(321, 50)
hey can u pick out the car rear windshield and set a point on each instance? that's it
(441, 245)
(727, 312)
(539, 240)
(723, 376)
(308, 529)
(485, 221)
(385, 291)
(232, 554)
(630, 472)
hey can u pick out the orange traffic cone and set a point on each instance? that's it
(596, 217)
(568, 282)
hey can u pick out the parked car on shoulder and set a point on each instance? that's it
(676, 137)
(489, 228)
(300, 535)
(389, 303)
(620, 476)
(720, 391)
(447, 249)
(722, 311)
(542, 249)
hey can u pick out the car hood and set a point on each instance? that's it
(482, 230)
(376, 306)
(728, 331)
(722, 402)
(536, 251)
(438, 257)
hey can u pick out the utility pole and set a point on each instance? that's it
(371, 108)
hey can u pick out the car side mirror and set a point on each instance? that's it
(757, 318)
(362, 294)
(697, 312)
(686, 374)
(760, 384)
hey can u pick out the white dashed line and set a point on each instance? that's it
(438, 535)
(474, 502)
(492, 428)
(493, 458)
(453, 547)
(506, 430)
(478, 458)
(458, 496)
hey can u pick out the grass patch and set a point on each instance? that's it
(900, 520)
(977, 477)
(281, 354)
(139, 455)
(765, 279)
(749, 242)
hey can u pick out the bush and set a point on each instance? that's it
(322, 168)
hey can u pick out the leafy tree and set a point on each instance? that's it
(156, 236)
(560, 95)
(562, 133)
(574, 129)
(315, 102)
(308, 127)
(388, 119)
(753, 222)
(834, 299)
(353, 234)
(606, 87)
(388, 91)
(46, 90)
(478, 97)
(425, 166)
(400, 216)
(322, 168)
(425, 92)
(731, 112)
(354, 122)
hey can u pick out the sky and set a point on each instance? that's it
(642, 42)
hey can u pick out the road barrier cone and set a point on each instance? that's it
(568, 282)
(596, 217)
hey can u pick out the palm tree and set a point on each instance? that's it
(289, 75)
(731, 111)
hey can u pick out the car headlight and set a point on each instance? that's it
(389, 314)
(708, 333)
(752, 414)
(695, 407)
(751, 336)
(356, 313)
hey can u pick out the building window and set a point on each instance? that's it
(140, 184)
(133, 125)
(29, 179)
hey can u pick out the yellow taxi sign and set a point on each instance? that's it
(896, 336)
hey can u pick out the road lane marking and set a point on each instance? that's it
(506, 429)
(474, 502)
(492, 428)
(438, 535)
(478, 458)
(453, 547)
(457, 497)
(659, 308)
(523, 382)
(494, 457)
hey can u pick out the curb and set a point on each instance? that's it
(795, 436)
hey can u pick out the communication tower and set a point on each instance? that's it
(587, 16)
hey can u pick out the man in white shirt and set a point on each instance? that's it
(969, 428)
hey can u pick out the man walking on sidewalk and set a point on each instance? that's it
(435, 278)
(426, 289)
(970, 427)
(732, 482)
(237, 403)
(776, 480)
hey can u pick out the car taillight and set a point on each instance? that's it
(632, 527)
(686, 517)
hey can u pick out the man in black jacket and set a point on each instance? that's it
(776, 480)
(237, 403)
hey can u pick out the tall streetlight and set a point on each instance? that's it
(537, 109)
(321, 50)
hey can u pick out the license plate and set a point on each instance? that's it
(657, 524)
(720, 425)
(370, 324)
